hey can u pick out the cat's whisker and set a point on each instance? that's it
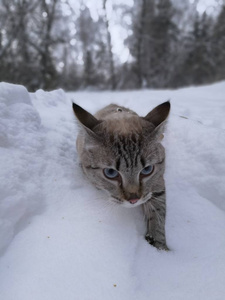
(108, 206)
(157, 199)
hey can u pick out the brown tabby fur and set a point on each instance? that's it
(117, 138)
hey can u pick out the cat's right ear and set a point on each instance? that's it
(158, 117)
(85, 118)
(159, 114)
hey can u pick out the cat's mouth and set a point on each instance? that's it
(132, 202)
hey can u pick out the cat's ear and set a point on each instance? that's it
(85, 118)
(158, 117)
(159, 114)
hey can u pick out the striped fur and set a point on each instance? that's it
(118, 138)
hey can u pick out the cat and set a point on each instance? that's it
(120, 152)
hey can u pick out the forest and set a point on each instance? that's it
(59, 43)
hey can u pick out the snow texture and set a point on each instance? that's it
(60, 239)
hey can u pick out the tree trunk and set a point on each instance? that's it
(109, 46)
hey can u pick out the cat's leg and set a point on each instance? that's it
(155, 213)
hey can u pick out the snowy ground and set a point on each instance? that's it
(59, 239)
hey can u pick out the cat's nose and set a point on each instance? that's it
(133, 201)
(133, 198)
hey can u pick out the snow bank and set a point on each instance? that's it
(73, 244)
(21, 142)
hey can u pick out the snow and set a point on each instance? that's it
(60, 239)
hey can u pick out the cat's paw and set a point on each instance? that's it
(153, 242)
(161, 246)
(150, 239)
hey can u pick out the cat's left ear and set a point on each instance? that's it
(158, 117)
(85, 118)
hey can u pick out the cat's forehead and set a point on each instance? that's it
(126, 144)
(126, 127)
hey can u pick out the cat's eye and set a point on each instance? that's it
(110, 173)
(147, 170)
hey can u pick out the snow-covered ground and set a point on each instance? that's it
(60, 239)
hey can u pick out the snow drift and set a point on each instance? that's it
(60, 239)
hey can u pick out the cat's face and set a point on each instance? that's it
(122, 155)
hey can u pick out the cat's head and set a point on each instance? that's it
(122, 154)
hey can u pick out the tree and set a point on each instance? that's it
(163, 37)
(86, 37)
(199, 65)
(219, 44)
(15, 52)
(152, 42)
(139, 41)
(51, 43)
(109, 48)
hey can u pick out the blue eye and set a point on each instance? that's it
(147, 170)
(110, 173)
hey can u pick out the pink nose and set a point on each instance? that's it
(132, 201)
